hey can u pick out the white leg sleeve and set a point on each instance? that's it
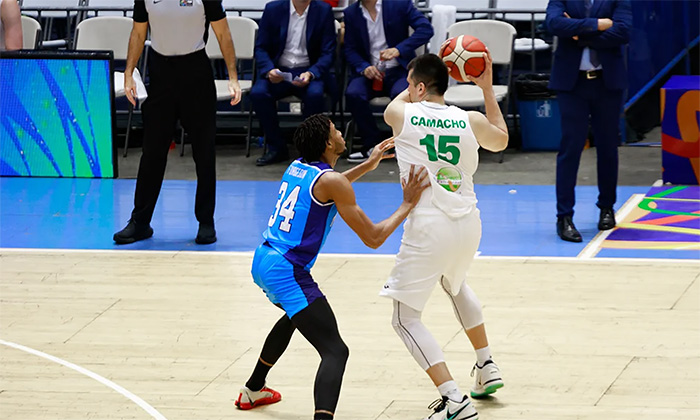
(466, 305)
(422, 345)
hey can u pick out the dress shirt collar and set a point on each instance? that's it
(378, 7)
(293, 10)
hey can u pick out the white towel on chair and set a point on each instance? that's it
(443, 17)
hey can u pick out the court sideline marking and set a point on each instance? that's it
(593, 247)
(104, 381)
(523, 259)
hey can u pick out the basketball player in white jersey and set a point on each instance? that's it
(442, 234)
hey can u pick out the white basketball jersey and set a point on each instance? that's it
(440, 138)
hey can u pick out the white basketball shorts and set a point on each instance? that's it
(433, 245)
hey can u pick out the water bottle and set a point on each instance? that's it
(378, 84)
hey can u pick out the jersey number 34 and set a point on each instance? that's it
(285, 208)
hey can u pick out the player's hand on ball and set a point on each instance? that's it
(379, 153)
(485, 81)
(415, 185)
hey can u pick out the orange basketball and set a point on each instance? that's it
(463, 56)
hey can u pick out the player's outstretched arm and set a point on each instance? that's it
(336, 187)
(491, 130)
(378, 154)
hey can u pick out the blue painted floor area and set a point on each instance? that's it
(85, 213)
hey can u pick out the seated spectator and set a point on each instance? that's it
(10, 26)
(378, 50)
(294, 52)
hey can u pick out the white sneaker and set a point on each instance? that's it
(488, 379)
(248, 399)
(359, 157)
(446, 409)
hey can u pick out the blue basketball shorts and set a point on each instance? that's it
(284, 283)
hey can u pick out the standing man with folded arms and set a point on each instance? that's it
(181, 88)
(590, 76)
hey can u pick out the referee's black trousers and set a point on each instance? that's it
(181, 87)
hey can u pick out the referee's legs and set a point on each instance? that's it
(197, 105)
(160, 114)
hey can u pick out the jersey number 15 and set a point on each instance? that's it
(446, 150)
(286, 208)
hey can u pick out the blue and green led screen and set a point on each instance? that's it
(56, 117)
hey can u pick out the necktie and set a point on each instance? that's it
(593, 54)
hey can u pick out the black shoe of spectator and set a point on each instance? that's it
(132, 232)
(607, 219)
(272, 157)
(206, 234)
(567, 231)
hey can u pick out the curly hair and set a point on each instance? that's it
(311, 136)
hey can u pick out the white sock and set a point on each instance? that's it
(450, 390)
(482, 356)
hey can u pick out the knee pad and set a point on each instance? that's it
(466, 305)
(418, 340)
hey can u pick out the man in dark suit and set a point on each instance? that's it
(589, 75)
(376, 36)
(294, 52)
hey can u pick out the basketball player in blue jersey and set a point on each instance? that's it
(310, 195)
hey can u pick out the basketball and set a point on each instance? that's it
(463, 56)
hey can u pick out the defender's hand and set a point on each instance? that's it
(415, 185)
(379, 153)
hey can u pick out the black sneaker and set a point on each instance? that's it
(132, 232)
(206, 234)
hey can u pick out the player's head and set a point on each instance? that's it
(316, 136)
(427, 75)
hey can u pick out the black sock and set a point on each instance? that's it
(323, 416)
(257, 379)
(275, 344)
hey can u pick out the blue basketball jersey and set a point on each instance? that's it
(299, 224)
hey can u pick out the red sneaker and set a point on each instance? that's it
(248, 399)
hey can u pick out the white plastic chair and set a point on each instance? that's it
(125, 4)
(526, 45)
(464, 4)
(498, 38)
(31, 33)
(247, 4)
(111, 33)
(49, 16)
(243, 32)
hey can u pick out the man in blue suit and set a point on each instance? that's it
(376, 36)
(589, 75)
(294, 52)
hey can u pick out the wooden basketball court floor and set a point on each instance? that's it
(173, 335)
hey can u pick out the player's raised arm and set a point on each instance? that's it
(336, 187)
(491, 130)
